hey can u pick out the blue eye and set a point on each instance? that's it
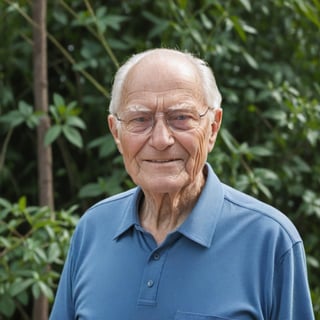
(138, 122)
(182, 117)
(182, 120)
(145, 118)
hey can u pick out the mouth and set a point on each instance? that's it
(162, 160)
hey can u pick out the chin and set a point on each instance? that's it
(160, 185)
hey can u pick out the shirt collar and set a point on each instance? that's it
(130, 216)
(200, 224)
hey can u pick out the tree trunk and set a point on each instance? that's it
(40, 87)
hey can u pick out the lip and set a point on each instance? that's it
(161, 160)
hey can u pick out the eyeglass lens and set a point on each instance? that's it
(177, 120)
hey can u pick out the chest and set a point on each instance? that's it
(133, 279)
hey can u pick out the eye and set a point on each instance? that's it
(140, 118)
(182, 120)
(181, 116)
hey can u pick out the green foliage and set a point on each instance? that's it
(66, 122)
(33, 246)
(265, 55)
(23, 114)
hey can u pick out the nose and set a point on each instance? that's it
(161, 135)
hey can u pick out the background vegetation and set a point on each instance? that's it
(266, 58)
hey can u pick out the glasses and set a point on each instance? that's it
(142, 122)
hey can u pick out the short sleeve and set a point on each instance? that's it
(63, 307)
(291, 296)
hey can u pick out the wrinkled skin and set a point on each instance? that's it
(167, 165)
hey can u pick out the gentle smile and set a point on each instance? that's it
(162, 161)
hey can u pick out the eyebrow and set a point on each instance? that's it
(137, 107)
(182, 106)
(179, 106)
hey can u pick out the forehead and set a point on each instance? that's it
(162, 78)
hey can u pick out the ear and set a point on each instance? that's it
(215, 126)
(113, 126)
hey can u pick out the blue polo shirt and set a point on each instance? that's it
(234, 257)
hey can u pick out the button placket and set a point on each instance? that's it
(151, 279)
(156, 256)
(150, 283)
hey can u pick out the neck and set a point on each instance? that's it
(162, 213)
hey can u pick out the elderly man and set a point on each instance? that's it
(181, 245)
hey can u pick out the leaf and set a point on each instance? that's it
(91, 190)
(301, 164)
(117, 44)
(20, 285)
(96, 142)
(54, 112)
(46, 290)
(22, 203)
(246, 4)
(312, 261)
(52, 134)
(242, 182)
(7, 306)
(75, 122)
(58, 100)
(264, 189)
(54, 252)
(23, 297)
(108, 148)
(197, 36)
(238, 27)
(5, 243)
(37, 255)
(114, 21)
(60, 17)
(228, 140)
(206, 21)
(182, 4)
(278, 115)
(266, 174)
(73, 136)
(313, 137)
(251, 61)
(249, 29)
(5, 203)
(36, 290)
(260, 151)
(158, 29)
(12, 118)
(25, 109)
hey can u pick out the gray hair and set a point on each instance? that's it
(211, 92)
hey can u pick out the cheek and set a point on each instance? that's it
(130, 147)
(128, 154)
(129, 162)
(198, 153)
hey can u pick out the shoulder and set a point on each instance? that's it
(103, 219)
(110, 210)
(271, 219)
(115, 200)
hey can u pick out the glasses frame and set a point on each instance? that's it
(201, 115)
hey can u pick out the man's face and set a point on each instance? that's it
(164, 160)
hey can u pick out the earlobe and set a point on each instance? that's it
(112, 122)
